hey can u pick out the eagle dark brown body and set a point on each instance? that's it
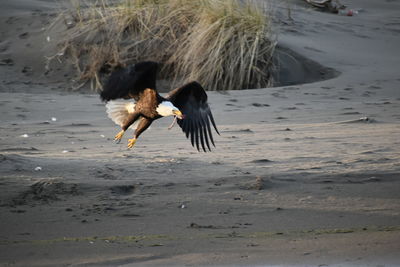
(138, 83)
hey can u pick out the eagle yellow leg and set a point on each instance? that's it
(131, 142)
(119, 135)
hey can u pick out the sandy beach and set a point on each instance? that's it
(302, 174)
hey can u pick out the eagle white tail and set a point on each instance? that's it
(119, 110)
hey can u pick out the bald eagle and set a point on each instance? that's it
(132, 99)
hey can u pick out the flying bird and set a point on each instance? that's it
(132, 100)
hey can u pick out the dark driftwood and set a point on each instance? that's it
(332, 6)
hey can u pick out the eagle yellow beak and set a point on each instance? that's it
(178, 114)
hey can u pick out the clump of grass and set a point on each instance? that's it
(229, 47)
(223, 44)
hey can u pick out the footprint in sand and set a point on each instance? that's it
(123, 189)
(7, 62)
(27, 70)
(261, 161)
(278, 95)
(24, 35)
(260, 105)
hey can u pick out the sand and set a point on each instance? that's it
(302, 175)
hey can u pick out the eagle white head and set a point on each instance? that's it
(166, 108)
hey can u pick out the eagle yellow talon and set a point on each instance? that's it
(131, 142)
(118, 137)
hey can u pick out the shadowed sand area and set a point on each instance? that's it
(302, 175)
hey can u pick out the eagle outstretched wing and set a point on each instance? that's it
(191, 99)
(129, 82)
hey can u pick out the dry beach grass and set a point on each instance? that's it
(225, 45)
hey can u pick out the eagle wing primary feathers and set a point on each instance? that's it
(191, 99)
(129, 82)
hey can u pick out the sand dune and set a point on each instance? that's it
(302, 175)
